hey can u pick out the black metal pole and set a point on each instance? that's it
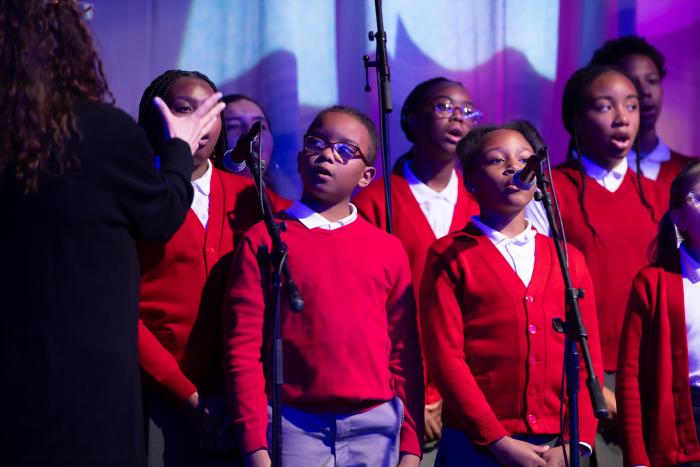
(296, 304)
(575, 331)
(381, 64)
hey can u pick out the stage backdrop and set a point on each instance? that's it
(298, 56)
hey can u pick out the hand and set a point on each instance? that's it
(409, 460)
(513, 452)
(259, 458)
(433, 421)
(207, 417)
(191, 127)
(609, 423)
(610, 402)
(555, 456)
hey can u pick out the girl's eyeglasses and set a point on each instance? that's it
(445, 108)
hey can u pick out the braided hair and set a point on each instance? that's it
(149, 117)
(572, 107)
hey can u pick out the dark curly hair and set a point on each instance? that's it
(48, 62)
(614, 50)
(149, 117)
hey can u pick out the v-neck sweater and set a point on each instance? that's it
(625, 230)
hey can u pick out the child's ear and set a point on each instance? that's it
(299, 154)
(367, 176)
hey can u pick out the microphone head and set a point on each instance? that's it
(231, 165)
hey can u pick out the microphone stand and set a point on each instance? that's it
(384, 79)
(574, 329)
(280, 268)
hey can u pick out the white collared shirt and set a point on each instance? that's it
(608, 179)
(519, 251)
(202, 189)
(611, 180)
(651, 162)
(312, 220)
(438, 207)
(691, 298)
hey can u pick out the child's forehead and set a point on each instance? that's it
(340, 126)
(190, 86)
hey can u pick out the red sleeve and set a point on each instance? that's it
(242, 316)
(160, 364)
(443, 338)
(588, 424)
(405, 359)
(627, 391)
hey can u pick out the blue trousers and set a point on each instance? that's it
(369, 438)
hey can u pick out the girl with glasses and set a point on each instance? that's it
(428, 197)
(658, 371)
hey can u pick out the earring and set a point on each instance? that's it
(471, 188)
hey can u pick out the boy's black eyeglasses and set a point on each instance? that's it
(343, 152)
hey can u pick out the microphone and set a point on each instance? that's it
(526, 177)
(234, 158)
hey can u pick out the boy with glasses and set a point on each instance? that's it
(353, 378)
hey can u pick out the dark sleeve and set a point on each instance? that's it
(154, 201)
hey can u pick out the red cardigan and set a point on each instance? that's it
(182, 283)
(653, 390)
(624, 229)
(670, 169)
(490, 345)
(353, 346)
(411, 227)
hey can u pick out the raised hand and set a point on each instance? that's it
(191, 127)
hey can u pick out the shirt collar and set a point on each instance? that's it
(690, 267)
(661, 153)
(203, 183)
(497, 237)
(311, 219)
(424, 193)
(597, 172)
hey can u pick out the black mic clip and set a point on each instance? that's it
(526, 177)
(234, 159)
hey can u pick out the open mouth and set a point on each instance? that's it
(322, 171)
(203, 142)
(455, 133)
(621, 141)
